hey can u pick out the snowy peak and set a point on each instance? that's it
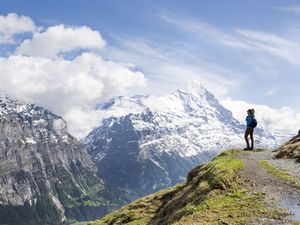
(193, 98)
(193, 88)
(31, 114)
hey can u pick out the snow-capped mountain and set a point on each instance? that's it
(147, 143)
(46, 175)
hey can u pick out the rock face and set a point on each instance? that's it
(290, 149)
(149, 143)
(46, 176)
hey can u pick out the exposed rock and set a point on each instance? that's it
(45, 173)
(290, 149)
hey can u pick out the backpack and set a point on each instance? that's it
(254, 123)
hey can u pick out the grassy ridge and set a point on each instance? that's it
(213, 194)
(138, 212)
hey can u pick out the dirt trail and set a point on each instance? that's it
(278, 192)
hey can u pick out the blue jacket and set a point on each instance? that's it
(249, 120)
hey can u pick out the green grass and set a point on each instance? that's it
(220, 198)
(78, 223)
(232, 207)
(221, 172)
(90, 198)
(138, 212)
(212, 194)
(281, 174)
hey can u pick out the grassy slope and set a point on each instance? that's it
(213, 194)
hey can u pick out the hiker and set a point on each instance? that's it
(251, 124)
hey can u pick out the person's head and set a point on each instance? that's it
(250, 111)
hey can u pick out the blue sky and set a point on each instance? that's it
(240, 50)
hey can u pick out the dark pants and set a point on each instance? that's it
(249, 131)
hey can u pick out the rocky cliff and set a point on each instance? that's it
(46, 177)
(290, 149)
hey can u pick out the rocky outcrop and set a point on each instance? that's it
(290, 149)
(46, 176)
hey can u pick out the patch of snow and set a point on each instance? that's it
(39, 122)
(100, 156)
(30, 141)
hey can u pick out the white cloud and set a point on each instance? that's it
(280, 121)
(292, 8)
(272, 44)
(207, 31)
(60, 39)
(70, 88)
(39, 73)
(170, 67)
(260, 43)
(13, 24)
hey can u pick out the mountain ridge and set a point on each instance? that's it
(227, 190)
(167, 135)
(45, 172)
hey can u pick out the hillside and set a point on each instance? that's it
(237, 187)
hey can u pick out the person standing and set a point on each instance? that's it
(251, 124)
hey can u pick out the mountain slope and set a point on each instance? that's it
(224, 191)
(148, 143)
(46, 176)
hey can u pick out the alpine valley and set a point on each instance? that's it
(144, 144)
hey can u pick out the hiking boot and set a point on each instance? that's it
(247, 148)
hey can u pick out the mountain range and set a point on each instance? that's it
(144, 144)
(148, 143)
